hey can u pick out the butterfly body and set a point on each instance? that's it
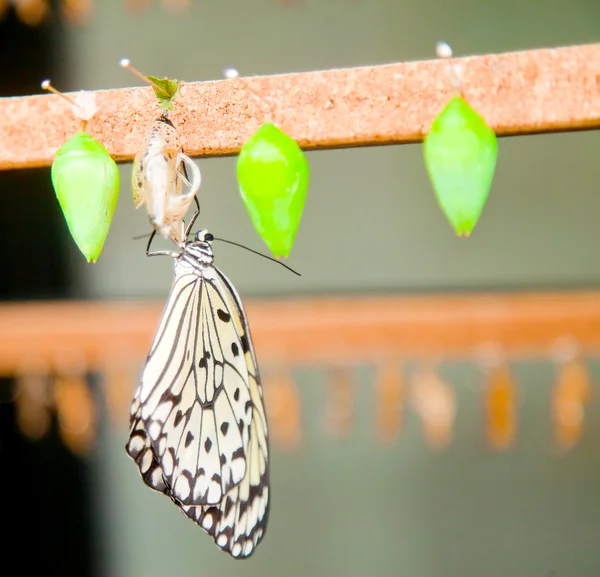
(198, 424)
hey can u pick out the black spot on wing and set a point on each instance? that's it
(138, 448)
(255, 492)
(223, 315)
(168, 396)
(228, 505)
(245, 343)
(224, 427)
(178, 417)
(234, 347)
(188, 439)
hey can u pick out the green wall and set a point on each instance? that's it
(352, 507)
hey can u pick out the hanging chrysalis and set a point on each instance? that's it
(435, 402)
(572, 392)
(285, 410)
(76, 409)
(273, 177)
(163, 177)
(33, 401)
(500, 406)
(119, 373)
(389, 400)
(86, 180)
(77, 12)
(30, 12)
(340, 403)
(460, 154)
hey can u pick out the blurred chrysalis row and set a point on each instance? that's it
(273, 174)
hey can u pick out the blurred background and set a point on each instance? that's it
(348, 503)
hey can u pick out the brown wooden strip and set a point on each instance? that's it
(529, 92)
(316, 331)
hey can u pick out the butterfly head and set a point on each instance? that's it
(198, 253)
(204, 237)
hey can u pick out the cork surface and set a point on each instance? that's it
(529, 92)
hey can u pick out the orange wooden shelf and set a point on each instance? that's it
(325, 330)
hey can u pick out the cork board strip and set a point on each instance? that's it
(536, 91)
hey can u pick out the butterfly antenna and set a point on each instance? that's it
(141, 236)
(259, 254)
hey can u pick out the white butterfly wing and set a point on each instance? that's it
(199, 431)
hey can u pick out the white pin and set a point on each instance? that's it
(444, 51)
(231, 73)
(83, 104)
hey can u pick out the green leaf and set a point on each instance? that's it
(86, 182)
(166, 92)
(460, 153)
(273, 176)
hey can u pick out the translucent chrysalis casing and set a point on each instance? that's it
(164, 179)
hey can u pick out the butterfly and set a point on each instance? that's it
(198, 425)
(165, 179)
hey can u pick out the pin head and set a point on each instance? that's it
(443, 50)
(230, 73)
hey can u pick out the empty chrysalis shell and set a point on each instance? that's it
(164, 179)
(273, 176)
(460, 154)
(86, 182)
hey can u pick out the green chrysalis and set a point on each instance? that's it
(85, 179)
(273, 176)
(86, 182)
(460, 154)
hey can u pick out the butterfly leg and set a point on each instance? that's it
(158, 252)
(193, 219)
